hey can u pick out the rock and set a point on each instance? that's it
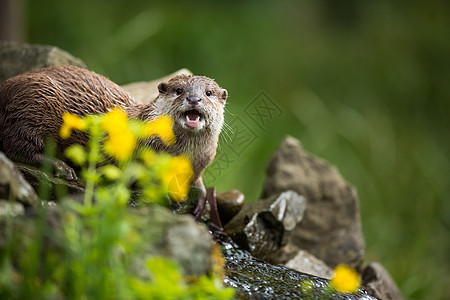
(13, 186)
(55, 185)
(176, 237)
(307, 263)
(24, 232)
(162, 233)
(264, 227)
(11, 209)
(229, 204)
(188, 244)
(16, 59)
(146, 91)
(378, 283)
(331, 227)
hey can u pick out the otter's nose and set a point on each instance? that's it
(194, 100)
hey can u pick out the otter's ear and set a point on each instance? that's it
(224, 95)
(162, 87)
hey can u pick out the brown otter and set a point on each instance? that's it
(32, 104)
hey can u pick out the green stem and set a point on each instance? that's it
(89, 191)
(93, 157)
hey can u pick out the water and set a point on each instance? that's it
(256, 279)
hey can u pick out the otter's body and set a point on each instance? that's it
(32, 105)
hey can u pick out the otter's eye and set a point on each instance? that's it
(179, 91)
(209, 93)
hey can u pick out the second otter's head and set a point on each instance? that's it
(196, 103)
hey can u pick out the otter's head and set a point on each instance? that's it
(196, 103)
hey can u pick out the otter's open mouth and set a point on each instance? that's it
(193, 118)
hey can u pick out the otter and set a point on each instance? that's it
(32, 105)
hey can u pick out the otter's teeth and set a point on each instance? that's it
(192, 119)
(197, 119)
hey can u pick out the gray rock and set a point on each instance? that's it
(176, 237)
(307, 263)
(264, 227)
(11, 209)
(20, 58)
(189, 244)
(229, 204)
(331, 228)
(146, 91)
(13, 186)
(378, 283)
(21, 233)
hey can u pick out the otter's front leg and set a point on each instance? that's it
(61, 169)
(197, 194)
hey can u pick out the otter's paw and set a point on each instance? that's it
(63, 170)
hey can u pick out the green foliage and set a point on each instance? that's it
(167, 283)
(91, 255)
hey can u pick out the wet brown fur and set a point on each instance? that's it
(32, 104)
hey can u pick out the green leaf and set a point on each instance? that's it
(76, 154)
(111, 172)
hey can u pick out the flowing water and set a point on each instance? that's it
(256, 279)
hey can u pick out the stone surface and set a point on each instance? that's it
(229, 204)
(307, 263)
(20, 232)
(13, 186)
(378, 283)
(55, 185)
(146, 91)
(331, 228)
(20, 58)
(265, 226)
(177, 237)
(12, 209)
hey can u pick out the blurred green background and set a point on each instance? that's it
(363, 84)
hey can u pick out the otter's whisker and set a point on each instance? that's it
(227, 132)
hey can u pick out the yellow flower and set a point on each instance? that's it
(115, 121)
(121, 141)
(120, 145)
(149, 157)
(345, 279)
(70, 122)
(162, 127)
(178, 177)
